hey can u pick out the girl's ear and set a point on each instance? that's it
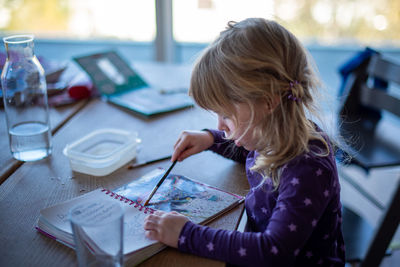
(271, 104)
(275, 102)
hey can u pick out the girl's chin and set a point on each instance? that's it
(245, 146)
(237, 143)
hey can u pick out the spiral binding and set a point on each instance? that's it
(130, 202)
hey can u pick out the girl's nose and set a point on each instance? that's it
(221, 124)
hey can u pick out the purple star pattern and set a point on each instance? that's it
(264, 210)
(242, 252)
(314, 223)
(182, 239)
(294, 181)
(307, 201)
(292, 227)
(307, 185)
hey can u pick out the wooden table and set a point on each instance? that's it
(58, 116)
(35, 185)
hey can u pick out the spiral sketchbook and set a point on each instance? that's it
(200, 202)
(53, 222)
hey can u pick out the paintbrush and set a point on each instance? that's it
(159, 183)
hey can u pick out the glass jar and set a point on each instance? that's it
(25, 100)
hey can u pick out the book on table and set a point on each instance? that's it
(200, 202)
(117, 82)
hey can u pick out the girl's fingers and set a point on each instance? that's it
(157, 213)
(188, 152)
(180, 148)
(174, 156)
(177, 151)
(149, 225)
(151, 234)
(177, 142)
(181, 138)
(151, 217)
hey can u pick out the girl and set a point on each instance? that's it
(256, 77)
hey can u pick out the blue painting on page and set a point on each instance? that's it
(198, 201)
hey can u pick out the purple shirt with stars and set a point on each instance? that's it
(299, 224)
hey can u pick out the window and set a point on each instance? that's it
(202, 20)
(334, 22)
(122, 19)
(327, 22)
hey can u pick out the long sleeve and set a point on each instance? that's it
(296, 225)
(227, 148)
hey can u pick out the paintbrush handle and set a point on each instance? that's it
(159, 183)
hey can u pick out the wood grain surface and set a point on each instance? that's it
(37, 185)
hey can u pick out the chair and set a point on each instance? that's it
(365, 244)
(368, 97)
(366, 93)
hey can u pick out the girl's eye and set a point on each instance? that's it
(225, 117)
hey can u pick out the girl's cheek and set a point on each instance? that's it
(231, 126)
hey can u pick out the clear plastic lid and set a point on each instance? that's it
(102, 151)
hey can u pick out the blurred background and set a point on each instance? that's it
(324, 22)
(175, 31)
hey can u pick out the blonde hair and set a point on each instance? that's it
(257, 61)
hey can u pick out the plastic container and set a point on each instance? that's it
(102, 151)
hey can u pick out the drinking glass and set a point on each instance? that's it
(98, 233)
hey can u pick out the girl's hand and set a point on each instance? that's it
(165, 227)
(191, 142)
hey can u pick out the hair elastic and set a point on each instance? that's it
(290, 95)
